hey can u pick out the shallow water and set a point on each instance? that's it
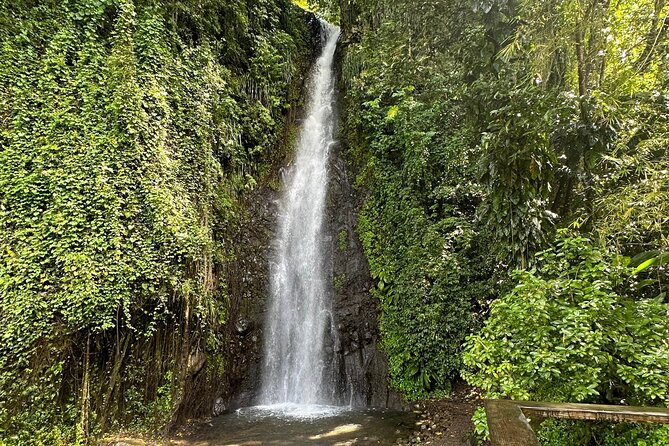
(305, 426)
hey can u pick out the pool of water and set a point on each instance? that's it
(304, 425)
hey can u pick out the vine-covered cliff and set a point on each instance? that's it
(129, 132)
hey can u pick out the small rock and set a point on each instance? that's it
(219, 407)
(243, 326)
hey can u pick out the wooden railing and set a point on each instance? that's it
(509, 425)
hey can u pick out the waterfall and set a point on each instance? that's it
(298, 323)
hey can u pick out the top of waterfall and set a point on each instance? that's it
(329, 28)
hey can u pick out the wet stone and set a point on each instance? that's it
(243, 326)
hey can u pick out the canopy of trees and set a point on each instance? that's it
(485, 132)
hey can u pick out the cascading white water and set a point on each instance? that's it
(298, 316)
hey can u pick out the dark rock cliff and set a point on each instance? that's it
(362, 368)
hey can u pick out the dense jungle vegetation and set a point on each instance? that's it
(512, 156)
(514, 160)
(129, 130)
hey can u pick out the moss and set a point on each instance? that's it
(339, 282)
(343, 240)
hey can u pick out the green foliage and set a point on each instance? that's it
(569, 332)
(328, 9)
(481, 430)
(573, 330)
(563, 433)
(339, 282)
(478, 131)
(633, 195)
(342, 240)
(128, 131)
(635, 435)
(579, 433)
(422, 322)
(517, 165)
(418, 224)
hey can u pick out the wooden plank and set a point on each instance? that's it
(597, 412)
(508, 425)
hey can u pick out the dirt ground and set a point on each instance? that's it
(448, 421)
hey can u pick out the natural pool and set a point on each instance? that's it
(304, 425)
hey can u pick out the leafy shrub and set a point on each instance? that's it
(481, 430)
(569, 331)
(563, 433)
(580, 433)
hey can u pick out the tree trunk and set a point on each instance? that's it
(580, 60)
(86, 394)
(113, 381)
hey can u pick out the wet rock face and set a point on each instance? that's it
(248, 286)
(315, 30)
(219, 407)
(362, 368)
